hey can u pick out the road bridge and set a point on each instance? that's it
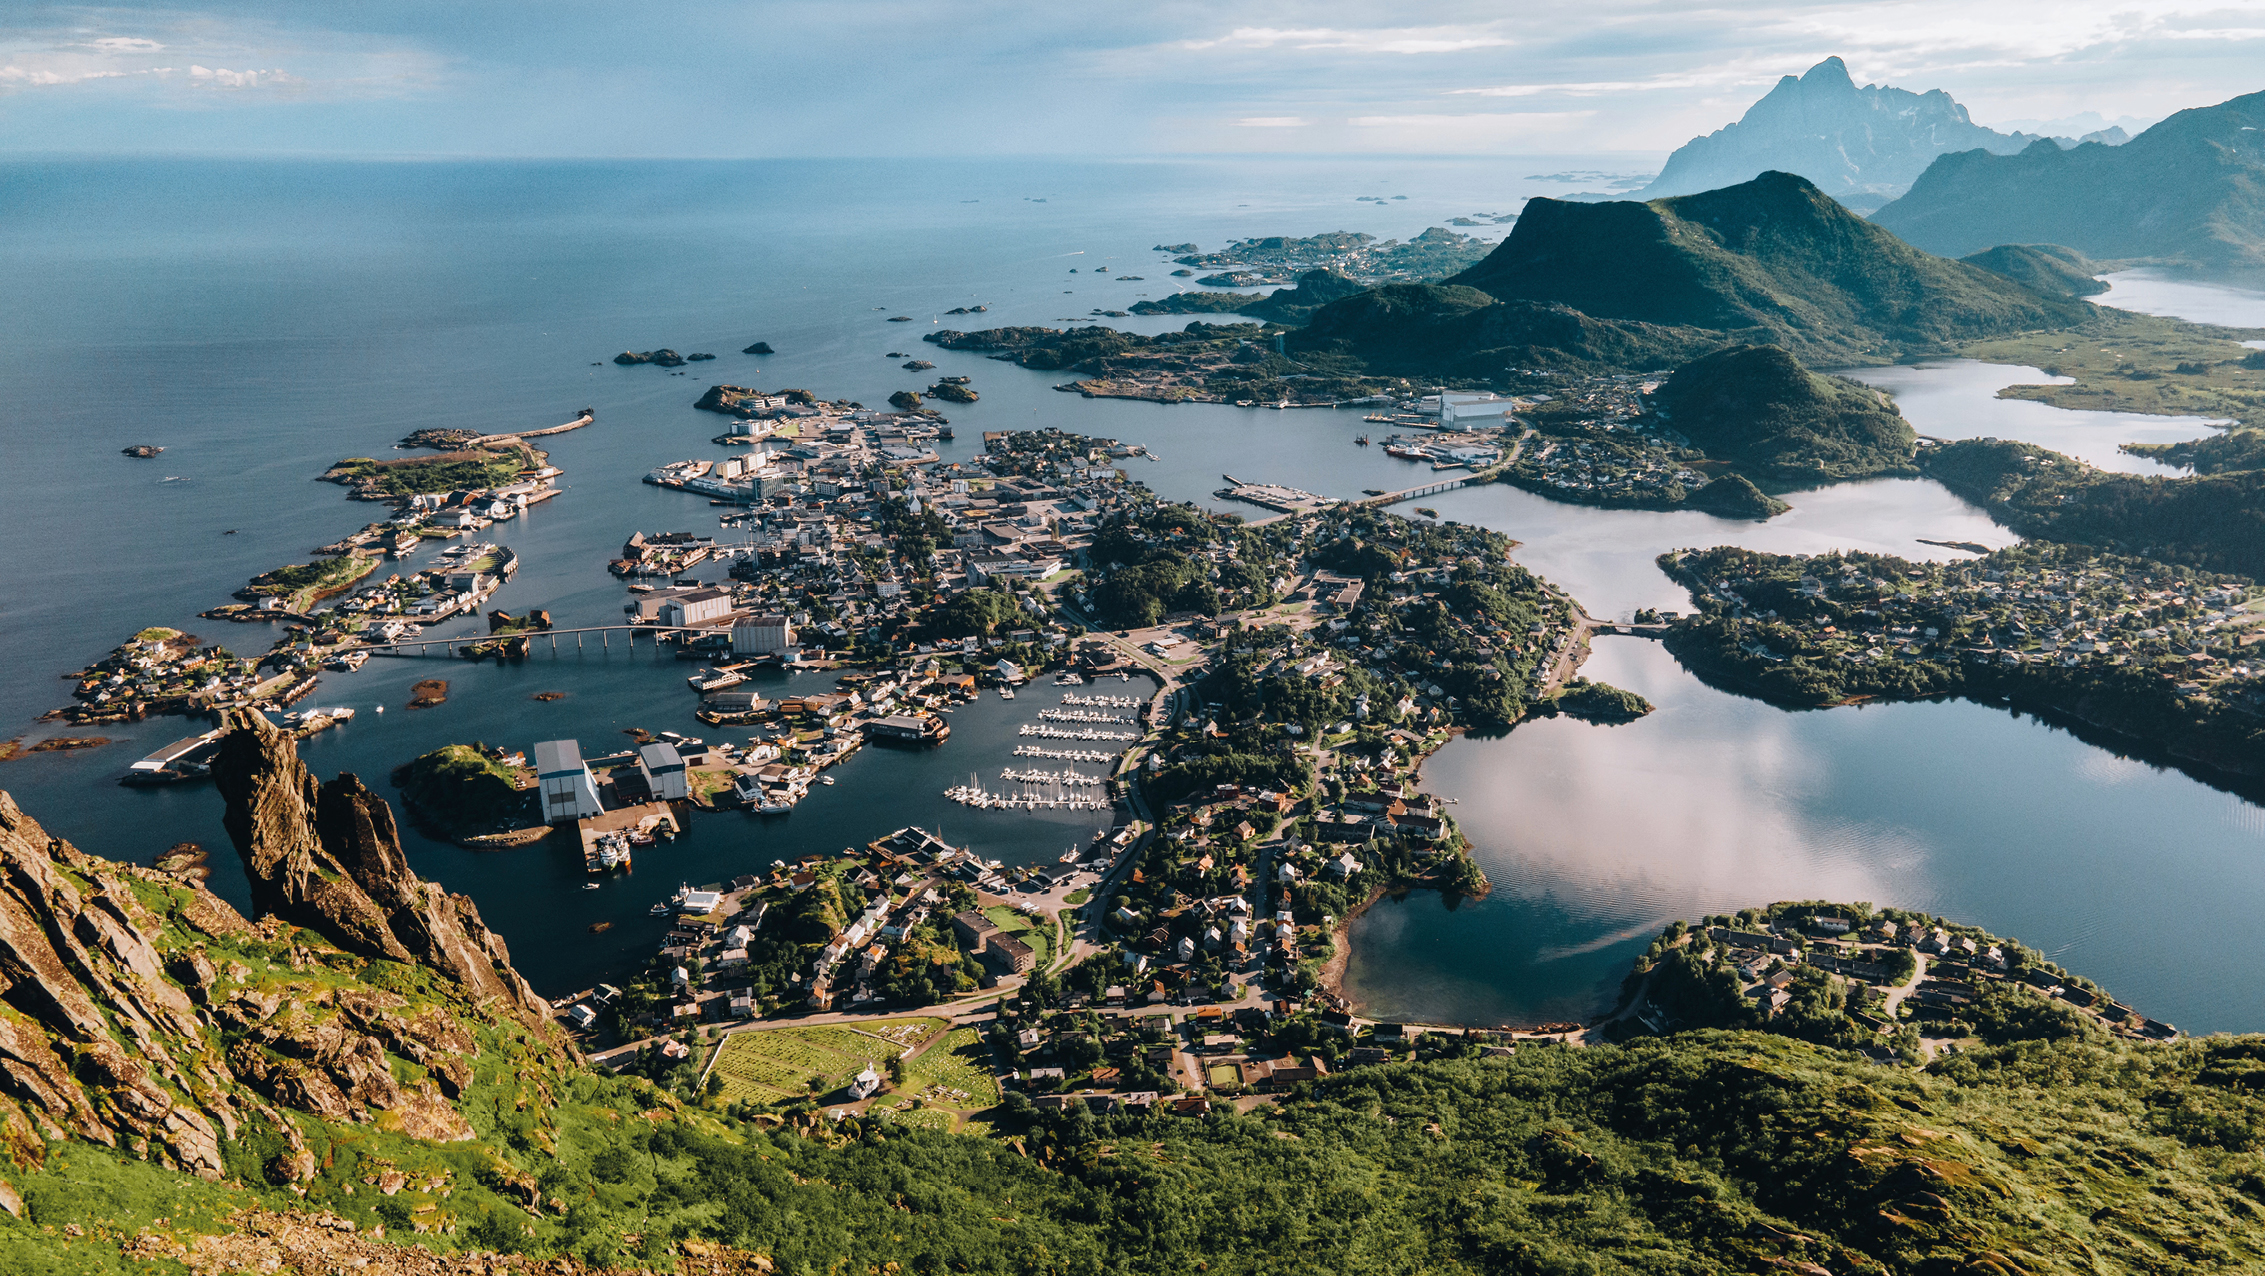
(423, 646)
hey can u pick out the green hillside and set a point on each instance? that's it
(1316, 289)
(2210, 521)
(1773, 254)
(1448, 330)
(2048, 269)
(2187, 192)
(1758, 408)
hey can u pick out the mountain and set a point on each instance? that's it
(2186, 193)
(1861, 145)
(1758, 408)
(2048, 269)
(1770, 261)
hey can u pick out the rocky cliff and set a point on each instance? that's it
(328, 857)
(141, 1012)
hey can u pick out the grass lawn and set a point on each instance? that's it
(1078, 897)
(954, 1073)
(1220, 1074)
(930, 1118)
(777, 1064)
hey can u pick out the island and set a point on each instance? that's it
(2164, 655)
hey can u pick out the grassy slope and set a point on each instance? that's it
(1708, 1152)
(464, 791)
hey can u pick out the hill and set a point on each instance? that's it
(1315, 289)
(2186, 193)
(2212, 521)
(359, 1081)
(1863, 146)
(1758, 408)
(1773, 254)
(2048, 269)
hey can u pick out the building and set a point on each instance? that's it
(865, 1083)
(664, 772)
(701, 607)
(761, 635)
(569, 792)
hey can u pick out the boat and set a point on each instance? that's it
(1007, 693)
(826, 779)
(715, 679)
(660, 910)
(774, 806)
(590, 886)
(1362, 440)
(598, 928)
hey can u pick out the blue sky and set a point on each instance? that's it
(990, 77)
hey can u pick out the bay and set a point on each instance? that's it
(261, 320)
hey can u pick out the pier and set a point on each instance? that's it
(448, 646)
(488, 440)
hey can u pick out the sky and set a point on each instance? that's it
(1023, 77)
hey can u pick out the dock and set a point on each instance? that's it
(609, 831)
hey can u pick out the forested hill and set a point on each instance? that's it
(2187, 192)
(1773, 253)
(1757, 407)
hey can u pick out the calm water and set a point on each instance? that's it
(263, 320)
(1954, 400)
(2155, 294)
(1597, 836)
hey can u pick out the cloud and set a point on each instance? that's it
(224, 78)
(125, 44)
(1274, 121)
(1382, 40)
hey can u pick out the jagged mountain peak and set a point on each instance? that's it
(1860, 145)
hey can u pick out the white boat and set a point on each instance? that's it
(774, 807)
(1007, 693)
(826, 779)
(590, 886)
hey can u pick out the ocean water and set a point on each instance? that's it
(261, 320)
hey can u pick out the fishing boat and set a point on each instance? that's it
(1007, 693)
(774, 806)
(1362, 440)
(590, 886)
(826, 779)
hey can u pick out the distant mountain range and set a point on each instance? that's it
(1771, 261)
(1863, 146)
(2186, 193)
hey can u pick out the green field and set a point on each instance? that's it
(954, 1073)
(1221, 1074)
(929, 1118)
(778, 1064)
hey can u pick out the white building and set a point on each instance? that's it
(664, 771)
(569, 792)
(697, 608)
(761, 635)
(865, 1083)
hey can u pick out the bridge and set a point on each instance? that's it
(413, 647)
(487, 440)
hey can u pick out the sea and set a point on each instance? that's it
(262, 319)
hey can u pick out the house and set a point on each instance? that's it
(1830, 925)
(582, 1016)
(1344, 867)
(865, 1083)
(664, 772)
(761, 635)
(569, 792)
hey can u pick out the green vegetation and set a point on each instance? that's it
(956, 1072)
(1159, 558)
(417, 476)
(1732, 496)
(2155, 652)
(1315, 289)
(1037, 932)
(2049, 269)
(305, 584)
(2185, 193)
(1756, 407)
(2123, 362)
(466, 789)
(2207, 521)
(1772, 259)
(775, 1065)
(1598, 702)
(978, 612)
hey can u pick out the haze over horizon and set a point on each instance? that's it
(884, 78)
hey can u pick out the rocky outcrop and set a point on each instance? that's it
(139, 1011)
(761, 347)
(330, 858)
(658, 358)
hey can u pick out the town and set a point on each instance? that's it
(2168, 652)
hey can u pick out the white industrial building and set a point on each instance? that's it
(569, 792)
(697, 608)
(761, 635)
(664, 771)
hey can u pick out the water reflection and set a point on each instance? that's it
(1594, 836)
(1954, 400)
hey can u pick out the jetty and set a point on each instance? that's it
(491, 440)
